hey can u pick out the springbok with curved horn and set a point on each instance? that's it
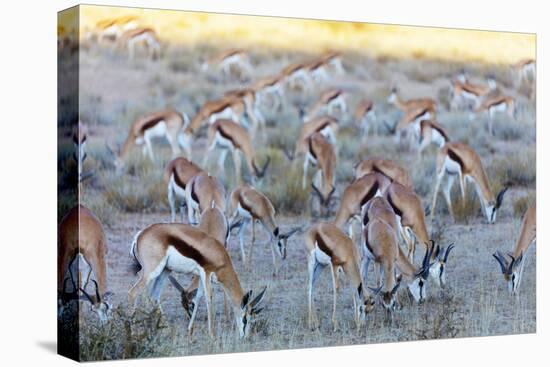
(411, 223)
(232, 137)
(380, 244)
(142, 35)
(177, 174)
(327, 245)
(203, 191)
(162, 248)
(356, 195)
(458, 159)
(364, 116)
(513, 269)
(411, 104)
(321, 154)
(431, 132)
(251, 205)
(167, 124)
(386, 167)
(81, 234)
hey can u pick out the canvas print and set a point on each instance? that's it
(231, 183)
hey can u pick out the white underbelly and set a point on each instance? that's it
(179, 191)
(311, 159)
(222, 142)
(501, 107)
(437, 138)
(320, 256)
(451, 166)
(177, 262)
(159, 130)
(224, 114)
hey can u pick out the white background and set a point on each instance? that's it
(28, 180)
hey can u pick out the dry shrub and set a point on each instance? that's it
(465, 211)
(515, 170)
(520, 205)
(286, 192)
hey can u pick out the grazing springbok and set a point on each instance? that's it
(525, 69)
(253, 206)
(177, 174)
(163, 124)
(228, 136)
(364, 116)
(469, 93)
(356, 195)
(321, 154)
(458, 159)
(113, 28)
(328, 101)
(495, 104)
(411, 104)
(409, 124)
(162, 248)
(228, 62)
(81, 235)
(381, 245)
(143, 35)
(387, 167)
(431, 132)
(411, 223)
(272, 86)
(201, 192)
(513, 269)
(327, 245)
(296, 74)
(326, 125)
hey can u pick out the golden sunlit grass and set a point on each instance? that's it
(289, 33)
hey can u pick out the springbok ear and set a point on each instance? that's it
(246, 299)
(501, 261)
(395, 288)
(360, 289)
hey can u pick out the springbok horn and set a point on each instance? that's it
(500, 196)
(258, 298)
(375, 291)
(98, 297)
(449, 248)
(176, 284)
(87, 296)
(316, 190)
(289, 233)
(395, 288)
(261, 173)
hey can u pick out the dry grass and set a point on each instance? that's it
(521, 204)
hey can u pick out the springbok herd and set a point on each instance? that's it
(381, 197)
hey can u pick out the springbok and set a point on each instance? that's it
(364, 116)
(381, 245)
(166, 124)
(513, 269)
(326, 125)
(165, 247)
(177, 174)
(228, 61)
(495, 104)
(415, 104)
(81, 235)
(356, 195)
(143, 35)
(321, 153)
(525, 69)
(458, 159)
(251, 205)
(327, 245)
(201, 192)
(411, 223)
(387, 167)
(231, 137)
(328, 101)
(113, 28)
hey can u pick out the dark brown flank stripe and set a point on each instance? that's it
(497, 102)
(366, 218)
(322, 245)
(378, 170)
(246, 207)
(193, 194)
(152, 122)
(227, 136)
(334, 95)
(311, 148)
(469, 89)
(317, 65)
(455, 157)
(441, 131)
(186, 250)
(222, 107)
(420, 113)
(394, 207)
(370, 194)
(141, 31)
